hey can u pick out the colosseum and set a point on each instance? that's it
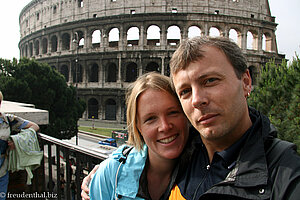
(100, 46)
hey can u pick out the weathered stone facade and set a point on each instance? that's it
(102, 45)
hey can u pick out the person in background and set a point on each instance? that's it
(8, 123)
(158, 131)
(238, 154)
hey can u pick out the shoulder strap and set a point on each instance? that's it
(125, 153)
(276, 149)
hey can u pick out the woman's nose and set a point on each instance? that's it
(165, 124)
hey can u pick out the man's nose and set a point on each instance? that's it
(199, 98)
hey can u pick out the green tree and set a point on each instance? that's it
(29, 81)
(277, 96)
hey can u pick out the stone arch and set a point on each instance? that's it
(133, 36)
(80, 38)
(153, 35)
(66, 41)
(173, 35)
(113, 37)
(252, 40)
(93, 107)
(64, 70)
(267, 42)
(111, 72)
(94, 71)
(54, 43)
(77, 73)
(214, 31)
(44, 45)
(235, 34)
(37, 47)
(26, 50)
(96, 38)
(30, 49)
(194, 31)
(152, 66)
(131, 72)
(110, 109)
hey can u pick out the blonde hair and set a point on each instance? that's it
(149, 80)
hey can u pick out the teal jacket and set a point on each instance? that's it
(27, 155)
(110, 182)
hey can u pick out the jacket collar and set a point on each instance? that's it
(128, 178)
(251, 170)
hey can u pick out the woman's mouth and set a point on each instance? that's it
(168, 140)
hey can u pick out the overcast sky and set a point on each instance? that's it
(286, 12)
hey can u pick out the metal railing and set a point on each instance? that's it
(63, 168)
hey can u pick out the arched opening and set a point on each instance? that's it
(30, 49)
(268, 42)
(37, 47)
(214, 32)
(64, 70)
(44, 45)
(53, 43)
(251, 41)
(93, 108)
(96, 38)
(152, 66)
(173, 35)
(133, 35)
(77, 73)
(153, 35)
(26, 50)
(93, 76)
(194, 31)
(233, 35)
(65, 41)
(110, 109)
(131, 72)
(113, 37)
(111, 73)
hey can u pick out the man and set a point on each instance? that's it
(7, 123)
(236, 156)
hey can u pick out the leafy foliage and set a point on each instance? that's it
(32, 82)
(278, 96)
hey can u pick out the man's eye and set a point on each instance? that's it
(184, 92)
(211, 80)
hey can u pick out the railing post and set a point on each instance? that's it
(68, 173)
(50, 182)
(58, 175)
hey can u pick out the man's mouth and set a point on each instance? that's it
(206, 119)
(168, 140)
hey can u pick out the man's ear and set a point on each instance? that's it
(247, 83)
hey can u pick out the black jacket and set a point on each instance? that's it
(266, 168)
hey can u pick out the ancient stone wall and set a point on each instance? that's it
(100, 46)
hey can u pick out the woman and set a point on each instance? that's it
(158, 131)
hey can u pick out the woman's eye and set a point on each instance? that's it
(149, 119)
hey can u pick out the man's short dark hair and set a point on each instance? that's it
(190, 50)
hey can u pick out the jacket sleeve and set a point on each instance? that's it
(102, 186)
(287, 176)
